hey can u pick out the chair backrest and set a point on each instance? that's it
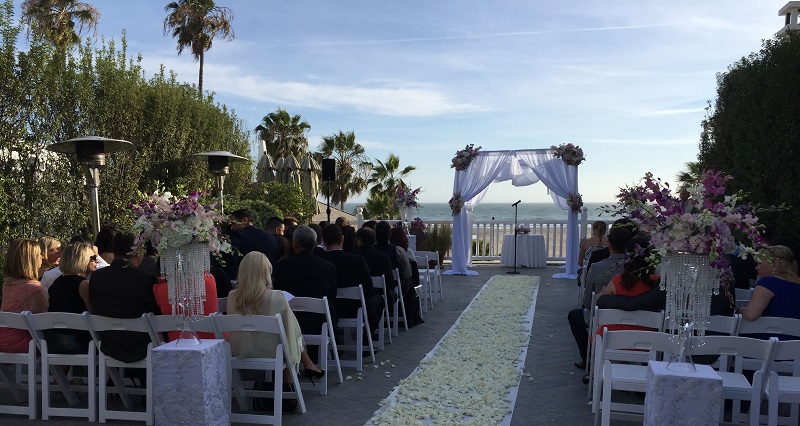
(56, 320)
(396, 276)
(222, 305)
(639, 340)
(160, 324)
(788, 350)
(742, 296)
(312, 305)
(422, 263)
(639, 318)
(379, 282)
(253, 323)
(354, 293)
(16, 320)
(723, 324)
(735, 346)
(770, 325)
(98, 323)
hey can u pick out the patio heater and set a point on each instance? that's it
(218, 165)
(91, 152)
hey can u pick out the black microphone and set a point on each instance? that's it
(515, 204)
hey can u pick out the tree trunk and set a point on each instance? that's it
(200, 79)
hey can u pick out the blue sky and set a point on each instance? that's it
(627, 81)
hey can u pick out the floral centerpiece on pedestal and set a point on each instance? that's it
(691, 239)
(406, 199)
(569, 153)
(522, 229)
(184, 230)
(575, 202)
(464, 157)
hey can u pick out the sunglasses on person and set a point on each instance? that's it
(93, 258)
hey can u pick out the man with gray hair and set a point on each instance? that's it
(306, 275)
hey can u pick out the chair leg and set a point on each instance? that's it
(10, 377)
(403, 310)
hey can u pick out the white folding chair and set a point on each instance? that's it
(425, 279)
(399, 290)
(259, 324)
(435, 274)
(742, 297)
(735, 385)
(385, 321)
(611, 376)
(222, 305)
(723, 324)
(324, 340)
(160, 324)
(359, 325)
(769, 326)
(52, 364)
(782, 389)
(114, 368)
(601, 317)
(9, 367)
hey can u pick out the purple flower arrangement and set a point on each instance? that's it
(456, 203)
(417, 227)
(406, 197)
(575, 202)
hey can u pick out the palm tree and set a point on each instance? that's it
(284, 134)
(55, 20)
(352, 165)
(690, 175)
(195, 23)
(387, 176)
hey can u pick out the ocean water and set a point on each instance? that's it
(504, 211)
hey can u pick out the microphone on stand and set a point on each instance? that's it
(515, 205)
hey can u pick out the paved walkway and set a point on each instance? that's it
(554, 396)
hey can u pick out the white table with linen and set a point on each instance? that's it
(531, 251)
(682, 398)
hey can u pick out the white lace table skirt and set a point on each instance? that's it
(191, 383)
(676, 398)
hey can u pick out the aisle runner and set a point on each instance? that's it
(472, 375)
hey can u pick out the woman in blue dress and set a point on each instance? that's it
(777, 291)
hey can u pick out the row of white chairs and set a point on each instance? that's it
(19, 371)
(617, 373)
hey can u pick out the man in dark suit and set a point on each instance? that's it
(351, 270)
(307, 275)
(319, 249)
(377, 261)
(252, 238)
(397, 255)
(122, 290)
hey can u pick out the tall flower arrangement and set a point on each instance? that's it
(406, 197)
(464, 157)
(569, 153)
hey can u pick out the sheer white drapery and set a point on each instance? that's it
(523, 168)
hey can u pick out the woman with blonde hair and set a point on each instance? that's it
(598, 240)
(21, 290)
(777, 291)
(70, 293)
(255, 296)
(51, 254)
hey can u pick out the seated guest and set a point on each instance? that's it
(306, 275)
(255, 296)
(276, 227)
(223, 282)
(378, 261)
(319, 249)
(602, 253)
(77, 261)
(21, 290)
(150, 260)
(397, 236)
(370, 224)
(251, 237)
(396, 254)
(596, 279)
(122, 290)
(598, 240)
(210, 305)
(104, 243)
(349, 234)
(341, 222)
(51, 254)
(352, 270)
(777, 291)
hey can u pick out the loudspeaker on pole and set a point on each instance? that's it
(328, 169)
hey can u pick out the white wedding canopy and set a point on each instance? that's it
(522, 168)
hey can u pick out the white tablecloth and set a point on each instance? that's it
(412, 242)
(531, 251)
(191, 384)
(676, 398)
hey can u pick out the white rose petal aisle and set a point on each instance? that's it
(472, 375)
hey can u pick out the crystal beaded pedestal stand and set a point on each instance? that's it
(184, 268)
(689, 281)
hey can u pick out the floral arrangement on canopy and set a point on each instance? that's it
(171, 221)
(406, 197)
(569, 153)
(184, 230)
(456, 203)
(575, 202)
(464, 157)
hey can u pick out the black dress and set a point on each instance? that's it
(65, 297)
